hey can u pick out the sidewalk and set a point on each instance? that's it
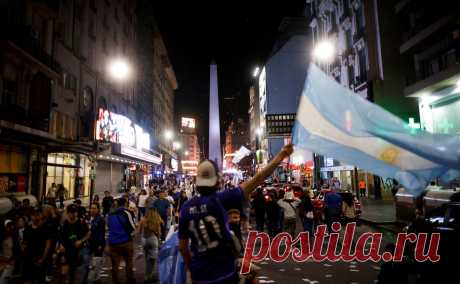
(378, 211)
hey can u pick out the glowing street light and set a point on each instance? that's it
(119, 69)
(259, 131)
(324, 51)
(176, 145)
(256, 72)
(186, 153)
(169, 135)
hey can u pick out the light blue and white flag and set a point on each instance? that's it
(334, 121)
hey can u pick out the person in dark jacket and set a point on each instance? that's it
(107, 203)
(121, 227)
(259, 208)
(273, 215)
(306, 213)
(96, 242)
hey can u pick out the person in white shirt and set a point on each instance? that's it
(289, 204)
(141, 202)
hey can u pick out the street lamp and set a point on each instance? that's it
(168, 135)
(256, 72)
(324, 51)
(176, 145)
(119, 69)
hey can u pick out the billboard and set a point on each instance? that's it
(187, 122)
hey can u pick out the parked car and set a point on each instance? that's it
(444, 220)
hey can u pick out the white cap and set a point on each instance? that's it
(206, 174)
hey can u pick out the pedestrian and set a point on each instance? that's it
(141, 200)
(51, 223)
(180, 202)
(348, 208)
(81, 210)
(362, 188)
(107, 203)
(273, 215)
(51, 194)
(209, 255)
(332, 207)
(150, 229)
(95, 199)
(8, 251)
(306, 213)
(61, 195)
(96, 243)
(74, 238)
(36, 247)
(121, 227)
(163, 207)
(289, 204)
(259, 209)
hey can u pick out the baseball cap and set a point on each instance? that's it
(207, 174)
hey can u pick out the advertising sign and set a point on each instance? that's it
(116, 128)
(187, 122)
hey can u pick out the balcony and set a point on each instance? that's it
(26, 39)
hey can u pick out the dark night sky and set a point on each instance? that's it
(238, 34)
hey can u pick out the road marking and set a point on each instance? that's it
(327, 265)
(262, 277)
(352, 266)
(310, 281)
(354, 262)
(328, 275)
(266, 281)
(354, 270)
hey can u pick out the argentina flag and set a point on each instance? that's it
(334, 121)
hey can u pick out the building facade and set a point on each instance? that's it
(164, 85)
(430, 47)
(236, 136)
(75, 125)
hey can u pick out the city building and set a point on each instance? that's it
(69, 98)
(254, 116)
(164, 85)
(430, 46)
(364, 59)
(190, 155)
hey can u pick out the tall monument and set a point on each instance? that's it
(214, 120)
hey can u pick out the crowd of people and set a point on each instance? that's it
(280, 211)
(45, 243)
(50, 243)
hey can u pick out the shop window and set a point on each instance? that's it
(62, 175)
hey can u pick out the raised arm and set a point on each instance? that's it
(249, 185)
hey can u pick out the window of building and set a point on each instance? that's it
(62, 175)
(69, 81)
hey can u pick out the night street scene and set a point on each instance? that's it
(224, 142)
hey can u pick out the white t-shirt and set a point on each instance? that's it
(289, 212)
(142, 200)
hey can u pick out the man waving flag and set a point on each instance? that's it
(334, 121)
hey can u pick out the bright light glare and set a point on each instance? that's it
(169, 134)
(458, 84)
(256, 72)
(177, 145)
(324, 51)
(186, 153)
(259, 131)
(119, 69)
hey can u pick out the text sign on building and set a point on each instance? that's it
(280, 124)
(116, 128)
(187, 122)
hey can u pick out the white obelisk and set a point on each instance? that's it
(214, 120)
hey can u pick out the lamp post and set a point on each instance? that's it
(120, 70)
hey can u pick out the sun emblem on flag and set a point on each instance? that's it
(389, 155)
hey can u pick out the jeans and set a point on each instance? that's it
(289, 226)
(141, 212)
(150, 246)
(82, 270)
(117, 254)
